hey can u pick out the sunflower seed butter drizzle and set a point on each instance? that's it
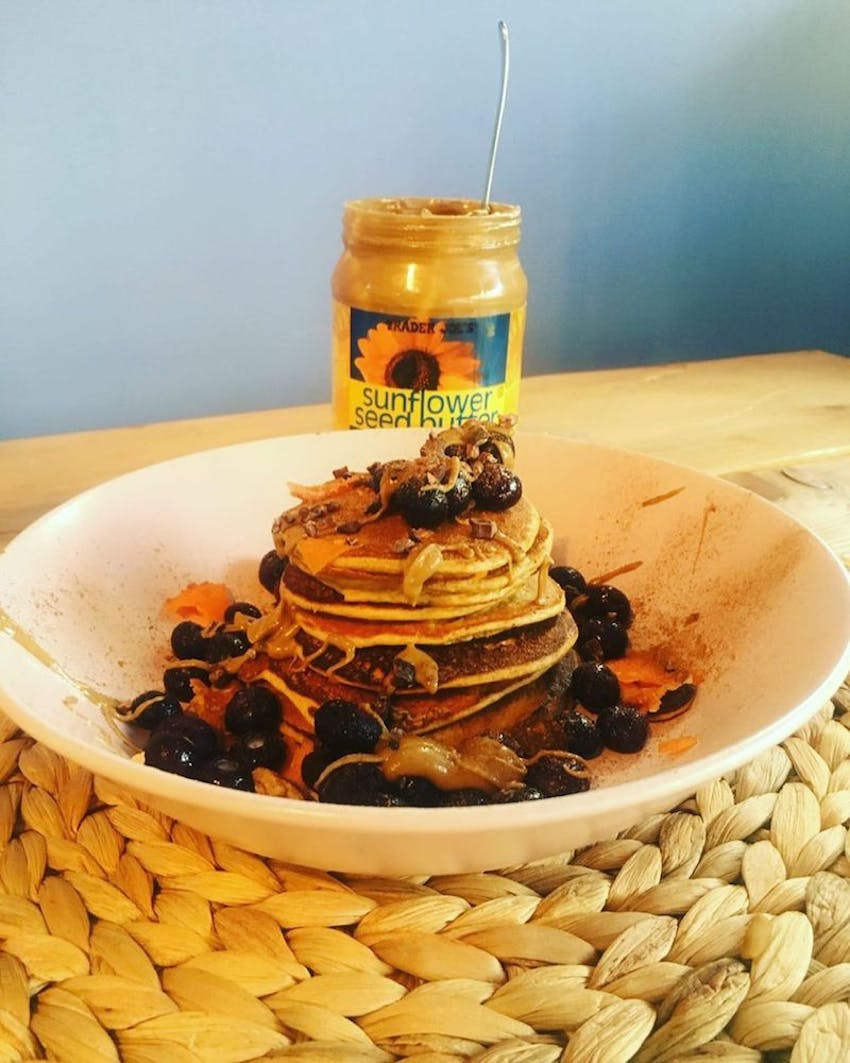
(500, 113)
(27, 642)
(103, 702)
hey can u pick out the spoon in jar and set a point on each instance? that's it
(497, 129)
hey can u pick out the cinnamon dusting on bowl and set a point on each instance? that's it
(662, 498)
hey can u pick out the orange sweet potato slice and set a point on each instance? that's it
(674, 747)
(205, 603)
(643, 680)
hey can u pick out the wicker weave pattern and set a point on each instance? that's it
(718, 931)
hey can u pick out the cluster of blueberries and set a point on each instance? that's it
(603, 615)
(425, 505)
(184, 744)
(491, 486)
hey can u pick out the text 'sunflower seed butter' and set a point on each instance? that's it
(429, 313)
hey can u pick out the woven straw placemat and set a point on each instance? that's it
(718, 931)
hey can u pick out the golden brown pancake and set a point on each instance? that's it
(508, 654)
(383, 598)
(302, 690)
(528, 605)
(376, 545)
(423, 713)
(430, 626)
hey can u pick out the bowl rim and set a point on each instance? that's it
(667, 782)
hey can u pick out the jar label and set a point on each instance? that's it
(393, 371)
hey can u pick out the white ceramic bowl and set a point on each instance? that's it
(757, 605)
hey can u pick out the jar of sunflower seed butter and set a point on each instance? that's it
(428, 314)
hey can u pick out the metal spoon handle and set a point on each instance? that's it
(497, 128)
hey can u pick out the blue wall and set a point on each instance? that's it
(173, 173)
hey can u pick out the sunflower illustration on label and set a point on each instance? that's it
(403, 371)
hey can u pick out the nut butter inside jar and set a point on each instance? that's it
(429, 313)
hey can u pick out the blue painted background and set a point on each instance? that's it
(173, 173)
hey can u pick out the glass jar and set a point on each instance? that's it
(429, 313)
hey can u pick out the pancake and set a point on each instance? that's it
(407, 588)
(302, 690)
(426, 713)
(334, 532)
(418, 588)
(320, 558)
(528, 605)
(376, 545)
(507, 654)
(499, 717)
(384, 598)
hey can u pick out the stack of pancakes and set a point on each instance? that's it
(437, 625)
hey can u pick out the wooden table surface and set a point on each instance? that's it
(777, 423)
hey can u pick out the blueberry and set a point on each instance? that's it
(157, 711)
(464, 798)
(606, 602)
(614, 639)
(458, 495)
(188, 642)
(595, 686)
(557, 774)
(422, 793)
(496, 487)
(421, 504)
(181, 745)
(243, 609)
(355, 783)
(260, 749)
(601, 640)
(253, 708)
(517, 794)
(270, 571)
(344, 727)
(313, 765)
(570, 580)
(582, 735)
(228, 642)
(173, 753)
(177, 680)
(228, 772)
(624, 729)
(588, 646)
(192, 729)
